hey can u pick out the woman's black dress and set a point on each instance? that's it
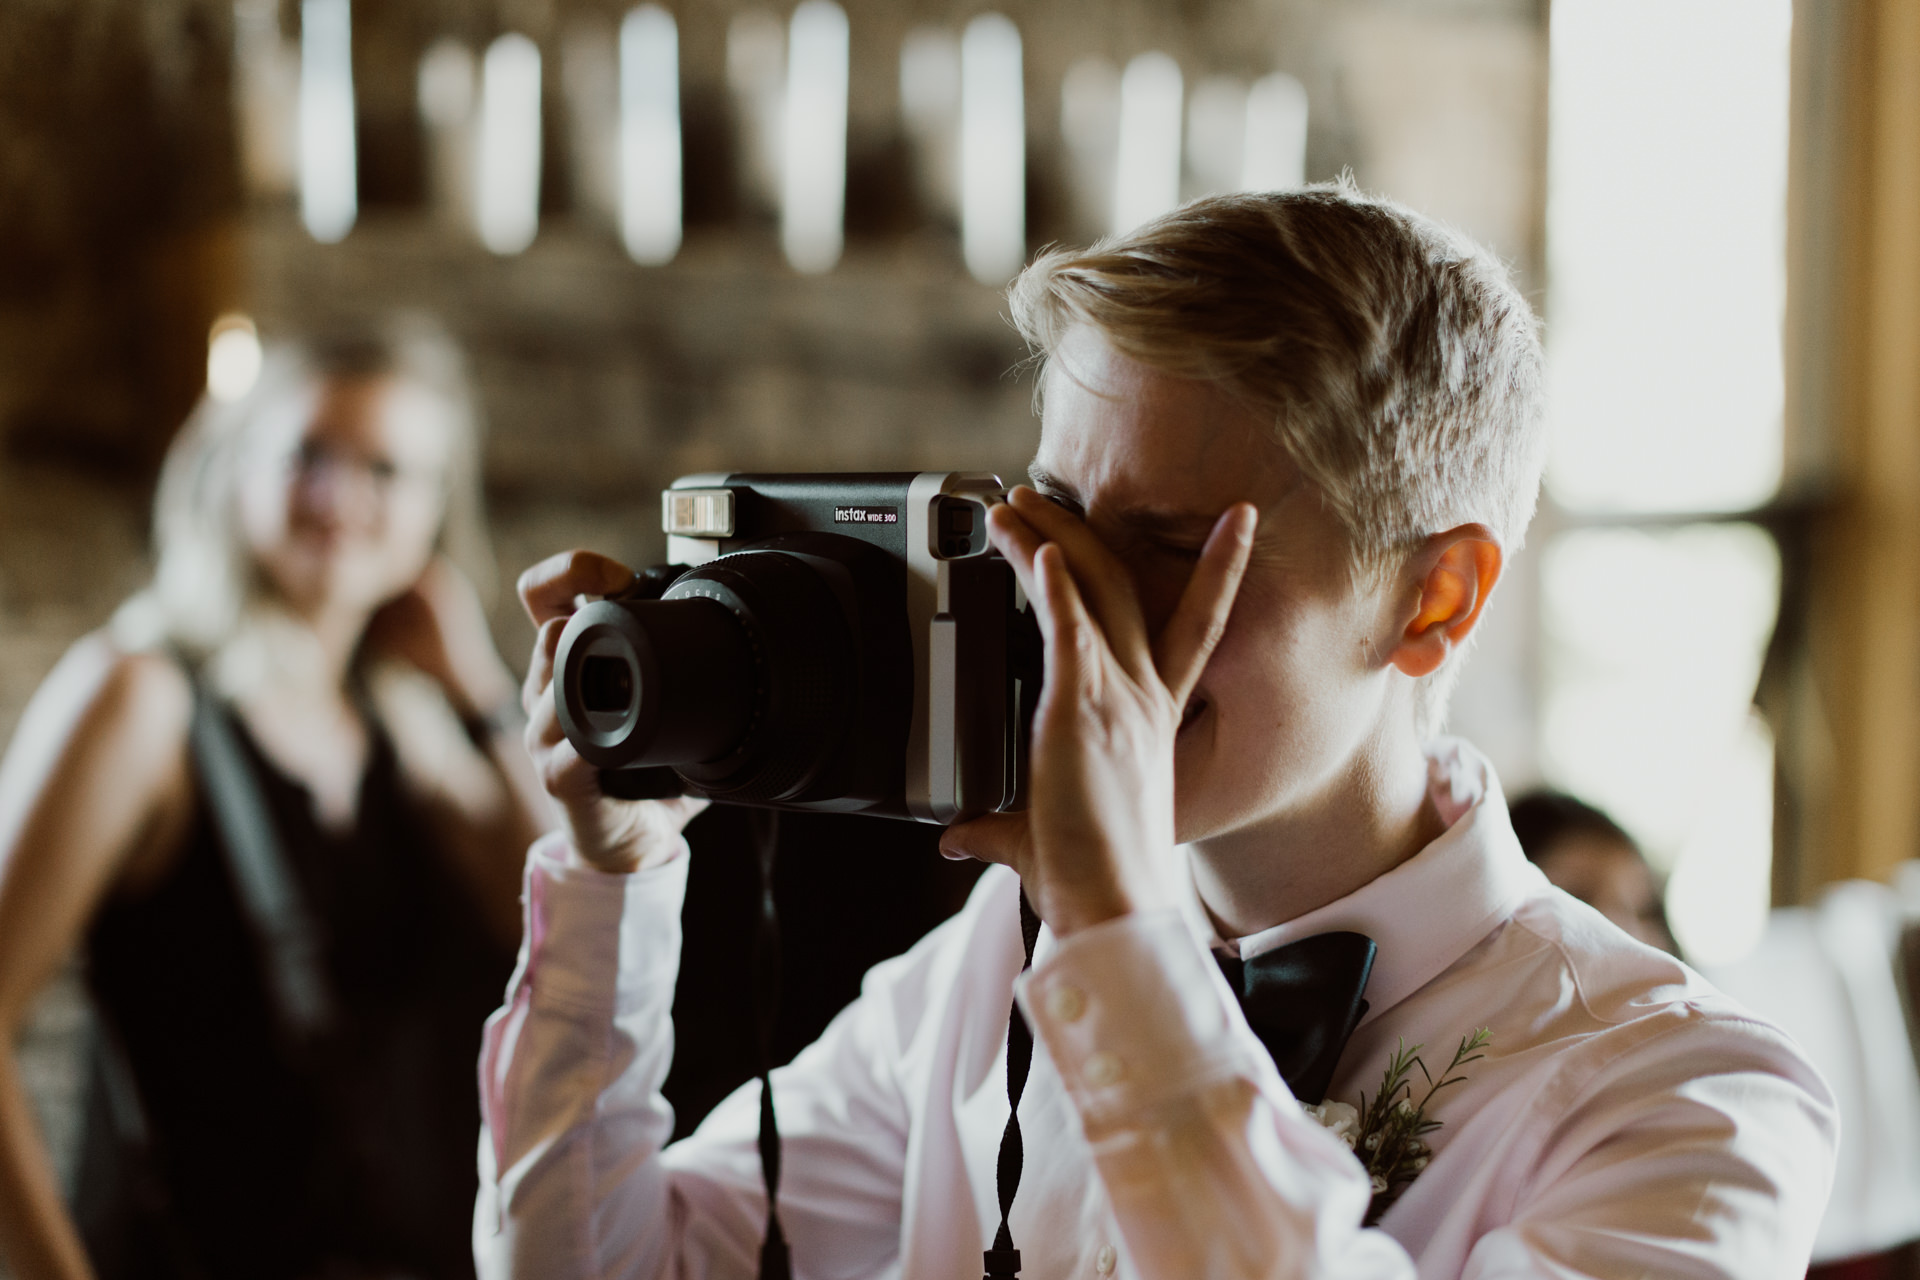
(350, 1156)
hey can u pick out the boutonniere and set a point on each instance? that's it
(1389, 1132)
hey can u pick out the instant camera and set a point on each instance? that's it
(846, 643)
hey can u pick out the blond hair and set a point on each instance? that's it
(1393, 358)
(207, 595)
(1395, 361)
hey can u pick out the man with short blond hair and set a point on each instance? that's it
(1289, 442)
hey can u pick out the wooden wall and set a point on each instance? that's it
(1848, 703)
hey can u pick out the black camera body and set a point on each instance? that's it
(846, 643)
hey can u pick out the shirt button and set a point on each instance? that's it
(1104, 1260)
(1066, 1004)
(1103, 1068)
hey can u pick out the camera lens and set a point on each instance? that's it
(606, 684)
(802, 704)
(741, 676)
(641, 683)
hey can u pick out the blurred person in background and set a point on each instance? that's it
(1585, 852)
(1837, 974)
(1828, 974)
(281, 804)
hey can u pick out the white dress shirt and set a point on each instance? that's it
(1628, 1120)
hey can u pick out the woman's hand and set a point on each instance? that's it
(1096, 840)
(439, 627)
(613, 835)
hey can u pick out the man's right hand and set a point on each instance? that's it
(612, 835)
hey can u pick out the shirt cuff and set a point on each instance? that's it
(598, 942)
(1133, 1013)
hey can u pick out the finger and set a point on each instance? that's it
(1065, 626)
(1021, 545)
(683, 809)
(1200, 618)
(548, 589)
(1003, 838)
(540, 668)
(1104, 582)
(1026, 567)
(1015, 539)
(569, 779)
(543, 724)
(566, 776)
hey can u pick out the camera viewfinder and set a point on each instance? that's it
(959, 527)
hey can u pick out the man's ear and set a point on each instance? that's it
(1451, 576)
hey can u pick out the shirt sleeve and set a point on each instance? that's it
(1701, 1153)
(575, 1176)
(1707, 1152)
(573, 1122)
(1209, 1164)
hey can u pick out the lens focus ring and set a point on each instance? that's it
(803, 655)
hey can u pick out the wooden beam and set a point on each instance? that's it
(1851, 751)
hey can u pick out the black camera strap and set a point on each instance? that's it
(774, 1261)
(1003, 1260)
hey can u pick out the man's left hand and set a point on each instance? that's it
(1097, 838)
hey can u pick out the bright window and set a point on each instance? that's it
(993, 150)
(814, 156)
(329, 191)
(507, 207)
(1666, 254)
(650, 134)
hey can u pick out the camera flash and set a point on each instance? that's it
(697, 513)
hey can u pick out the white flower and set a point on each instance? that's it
(1338, 1119)
(1379, 1184)
(1403, 1107)
(1420, 1163)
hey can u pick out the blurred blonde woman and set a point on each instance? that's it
(280, 803)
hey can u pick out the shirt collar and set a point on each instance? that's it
(1431, 909)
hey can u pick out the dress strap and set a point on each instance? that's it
(270, 900)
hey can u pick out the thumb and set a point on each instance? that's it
(1005, 838)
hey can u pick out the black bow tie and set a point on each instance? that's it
(1303, 1001)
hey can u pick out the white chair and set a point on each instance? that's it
(1827, 974)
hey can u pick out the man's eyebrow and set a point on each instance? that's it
(1145, 519)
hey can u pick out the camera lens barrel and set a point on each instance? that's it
(642, 683)
(835, 642)
(805, 678)
(741, 677)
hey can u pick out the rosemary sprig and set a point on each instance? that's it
(1393, 1126)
